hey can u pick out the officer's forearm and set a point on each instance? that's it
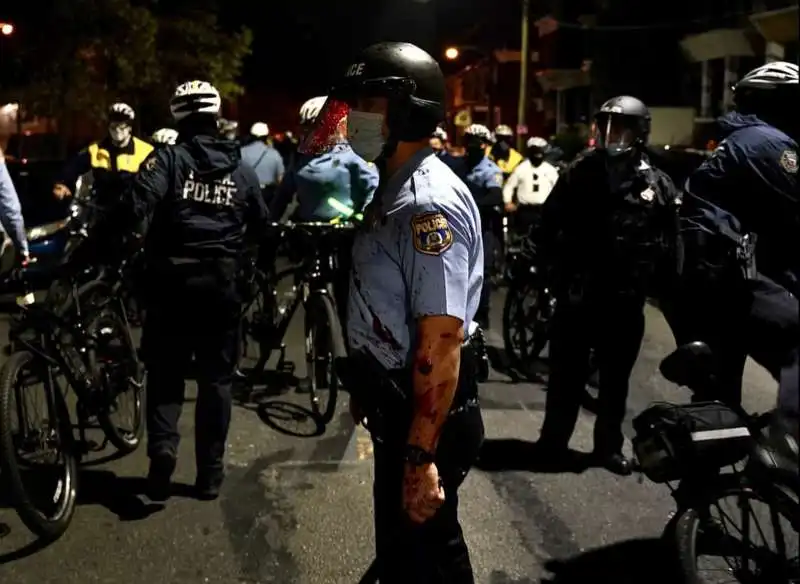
(435, 378)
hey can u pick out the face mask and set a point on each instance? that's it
(365, 134)
(536, 160)
(120, 134)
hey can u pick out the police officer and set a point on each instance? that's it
(264, 159)
(417, 273)
(502, 152)
(530, 184)
(609, 237)
(113, 161)
(330, 182)
(753, 172)
(330, 185)
(485, 181)
(11, 220)
(164, 137)
(753, 176)
(202, 201)
(439, 145)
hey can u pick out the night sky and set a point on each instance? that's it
(305, 45)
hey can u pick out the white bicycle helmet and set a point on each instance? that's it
(259, 130)
(504, 130)
(195, 97)
(537, 142)
(440, 133)
(769, 76)
(121, 112)
(479, 131)
(165, 136)
(311, 109)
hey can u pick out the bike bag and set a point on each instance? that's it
(676, 441)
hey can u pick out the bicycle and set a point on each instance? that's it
(692, 444)
(95, 353)
(312, 287)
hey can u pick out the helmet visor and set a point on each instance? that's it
(616, 133)
(329, 128)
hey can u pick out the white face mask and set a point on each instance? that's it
(365, 134)
(120, 134)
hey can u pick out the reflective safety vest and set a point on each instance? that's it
(128, 161)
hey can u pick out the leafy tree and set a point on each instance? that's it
(89, 53)
(85, 55)
(192, 44)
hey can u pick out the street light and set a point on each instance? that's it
(6, 28)
(452, 53)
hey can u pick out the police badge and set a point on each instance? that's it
(648, 194)
(789, 161)
(431, 233)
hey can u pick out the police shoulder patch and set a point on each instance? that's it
(431, 232)
(150, 163)
(788, 161)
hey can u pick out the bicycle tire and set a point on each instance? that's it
(514, 297)
(124, 442)
(686, 528)
(48, 527)
(320, 313)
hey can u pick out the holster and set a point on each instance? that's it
(385, 396)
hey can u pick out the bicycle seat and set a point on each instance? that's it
(690, 365)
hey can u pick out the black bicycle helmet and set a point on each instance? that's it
(621, 125)
(404, 74)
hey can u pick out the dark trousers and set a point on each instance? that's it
(433, 552)
(193, 312)
(268, 194)
(527, 218)
(757, 318)
(615, 328)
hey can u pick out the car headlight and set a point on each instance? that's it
(43, 231)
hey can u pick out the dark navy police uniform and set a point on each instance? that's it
(753, 176)
(419, 254)
(201, 200)
(606, 249)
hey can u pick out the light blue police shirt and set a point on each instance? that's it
(419, 254)
(11, 210)
(484, 176)
(265, 160)
(339, 175)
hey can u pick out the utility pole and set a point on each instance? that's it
(523, 73)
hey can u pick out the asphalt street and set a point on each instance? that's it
(297, 510)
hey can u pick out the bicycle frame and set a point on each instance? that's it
(312, 277)
(47, 325)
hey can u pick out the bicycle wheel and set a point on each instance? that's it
(697, 533)
(39, 464)
(324, 343)
(114, 361)
(259, 318)
(523, 338)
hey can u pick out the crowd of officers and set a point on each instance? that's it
(610, 232)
